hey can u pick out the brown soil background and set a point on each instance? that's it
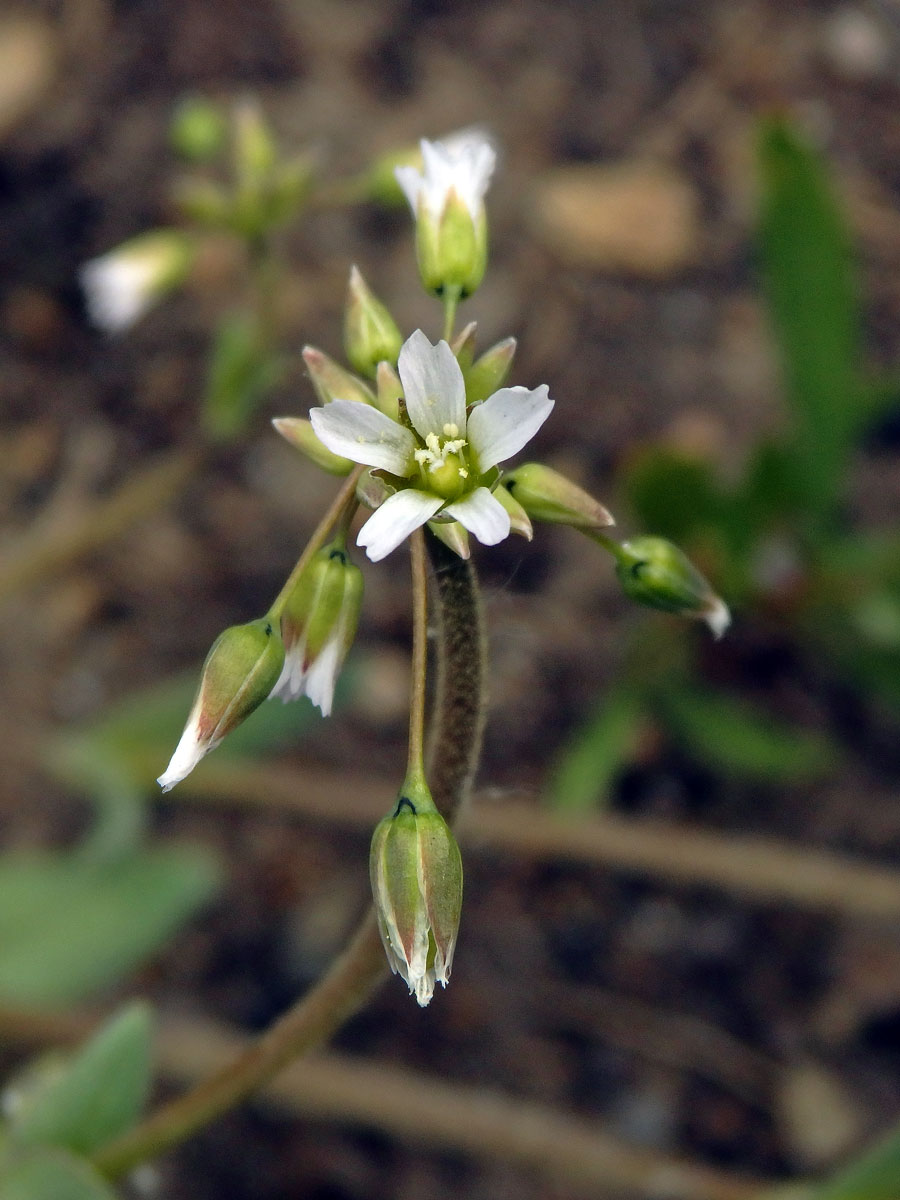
(598, 992)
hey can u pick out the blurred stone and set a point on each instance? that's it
(28, 58)
(636, 217)
(855, 43)
(819, 1120)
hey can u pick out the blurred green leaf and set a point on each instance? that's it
(672, 494)
(810, 289)
(596, 753)
(736, 738)
(69, 926)
(242, 370)
(100, 1092)
(53, 1175)
(874, 1176)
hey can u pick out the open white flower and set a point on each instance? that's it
(122, 285)
(446, 455)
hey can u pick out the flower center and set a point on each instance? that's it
(443, 463)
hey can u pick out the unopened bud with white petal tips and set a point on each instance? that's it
(332, 381)
(318, 625)
(490, 371)
(447, 200)
(416, 873)
(654, 571)
(122, 285)
(240, 672)
(370, 332)
(299, 432)
(546, 495)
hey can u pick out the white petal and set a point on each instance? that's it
(506, 421)
(483, 515)
(432, 386)
(117, 290)
(395, 520)
(411, 182)
(290, 681)
(323, 672)
(187, 754)
(364, 434)
(717, 617)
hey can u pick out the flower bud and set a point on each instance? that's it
(654, 571)
(518, 518)
(463, 346)
(240, 672)
(318, 625)
(198, 129)
(370, 332)
(453, 535)
(389, 390)
(548, 496)
(123, 284)
(416, 874)
(446, 198)
(299, 432)
(255, 151)
(490, 371)
(332, 381)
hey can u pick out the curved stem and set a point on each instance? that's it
(341, 510)
(456, 743)
(415, 763)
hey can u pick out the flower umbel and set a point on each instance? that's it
(416, 873)
(447, 200)
(440, 457)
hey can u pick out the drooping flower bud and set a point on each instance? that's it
(122, 285)
(416, 873)
(299, 432)
(332, 381)
(240, 672)
(371, 334)
(546, 495)
(655, 572)
(447, 201)
(489, 371)
(318, 625)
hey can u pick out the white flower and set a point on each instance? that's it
(462, 162)
(447, 456)
(122, 285)
(447, 200)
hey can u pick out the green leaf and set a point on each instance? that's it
(100, 1092)
(241, 371)
(874, 1176)
(810, 289)
(70, 926)
(53, 1175)
(736, 738)
(672, 494)
(596, 753)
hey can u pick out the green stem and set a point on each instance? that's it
(451, 300)
(415, 763)
(607, 543)
(456, 742)
(340, 513)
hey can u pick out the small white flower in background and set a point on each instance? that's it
(447, 200)
(447, 455)
(122, 285)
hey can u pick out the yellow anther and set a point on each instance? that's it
(451, 430)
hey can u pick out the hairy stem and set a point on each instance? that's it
(456, 742)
